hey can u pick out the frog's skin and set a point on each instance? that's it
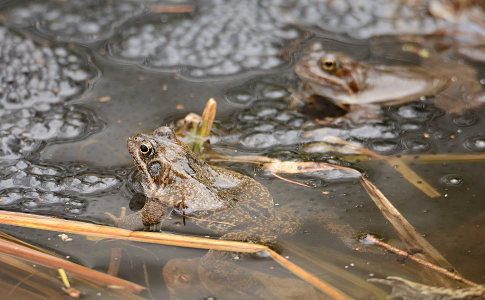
(346, 81)
(463, 91)
(175, 180)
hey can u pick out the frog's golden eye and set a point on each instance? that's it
(329, 64)
(146, 148)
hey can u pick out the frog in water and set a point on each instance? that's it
(346, 82)
(176, 180)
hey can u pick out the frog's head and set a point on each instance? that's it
(161, 158)
(331, 74)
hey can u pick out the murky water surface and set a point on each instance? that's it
(78, 77)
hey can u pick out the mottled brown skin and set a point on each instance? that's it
(176, 180)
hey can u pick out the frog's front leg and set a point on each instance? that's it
(131, 222)
(148, 218)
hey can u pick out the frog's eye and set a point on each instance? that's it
(146, 148)
(329, 64)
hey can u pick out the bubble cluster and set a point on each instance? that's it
(81, 21)
(222, 38)
(361, 20)
(35, 80)
(56, 189)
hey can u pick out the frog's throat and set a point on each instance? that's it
(143, 168)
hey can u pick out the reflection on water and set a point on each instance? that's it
(59, 58)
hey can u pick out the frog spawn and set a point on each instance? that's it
(205, 47)
(357, 20)
(35, 81)
(81, 21)
(263, 29)
(55, 189)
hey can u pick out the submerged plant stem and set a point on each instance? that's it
(48, 223)
(19, 251)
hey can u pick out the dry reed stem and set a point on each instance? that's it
(420, 261)
(395, 162)
(48, 223)
(288, 167)
(23, 252)
(322, 286)
(404, 229)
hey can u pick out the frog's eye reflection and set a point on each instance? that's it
(145, 148)
(328, 64)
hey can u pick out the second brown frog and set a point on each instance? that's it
(361, 88)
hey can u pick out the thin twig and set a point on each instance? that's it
(425, 263)
(404, 229)
(290, 181)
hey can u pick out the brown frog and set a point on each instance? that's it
(346, 82)
(175, 180)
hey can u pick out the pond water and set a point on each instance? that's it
(79, 77)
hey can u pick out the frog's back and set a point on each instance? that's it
(249, 204)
